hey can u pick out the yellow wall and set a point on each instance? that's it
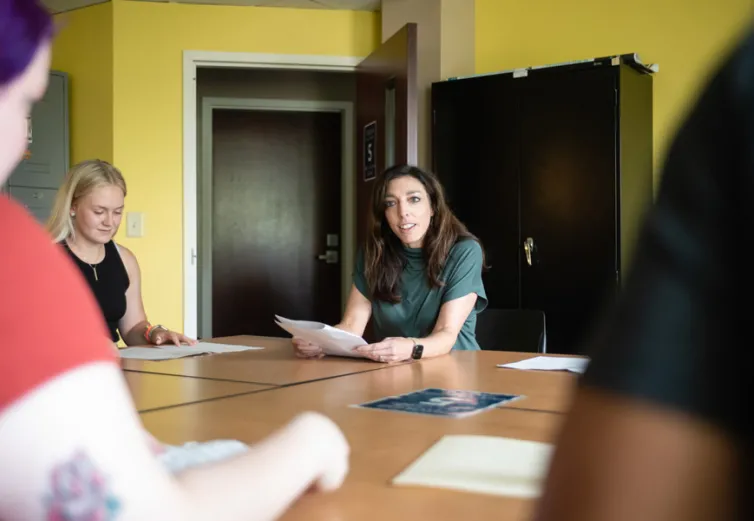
(148, 125)
(685, 37)
(125, 62)
(84, 49)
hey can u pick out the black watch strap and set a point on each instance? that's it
(418, 350)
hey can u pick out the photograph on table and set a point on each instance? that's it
(441, 402)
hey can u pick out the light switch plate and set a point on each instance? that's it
(134, 224)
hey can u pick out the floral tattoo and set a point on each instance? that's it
(80, 492)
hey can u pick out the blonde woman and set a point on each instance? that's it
(86, 215)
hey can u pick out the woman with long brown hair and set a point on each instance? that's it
(419, 275)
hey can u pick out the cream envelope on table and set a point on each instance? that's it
(483, 464)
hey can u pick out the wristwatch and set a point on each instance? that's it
(416, 354)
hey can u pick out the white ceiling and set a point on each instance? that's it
(58, 6)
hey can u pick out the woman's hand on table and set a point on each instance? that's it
(392, 349)
(162, 336)
(304, 349)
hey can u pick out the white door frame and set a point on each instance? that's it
(347, 212)
(192, 60)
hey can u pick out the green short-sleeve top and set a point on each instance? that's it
(416, 314)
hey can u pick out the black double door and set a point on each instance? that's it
(530, 166)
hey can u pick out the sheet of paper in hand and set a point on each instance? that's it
(441, 402)
(192, 454)
(333, 341)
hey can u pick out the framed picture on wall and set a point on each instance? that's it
(370, 151)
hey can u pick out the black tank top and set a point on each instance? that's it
(109, 286)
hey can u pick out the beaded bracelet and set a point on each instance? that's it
(147, 332)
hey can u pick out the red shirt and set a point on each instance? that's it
(49, 320)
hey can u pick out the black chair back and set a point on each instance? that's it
(512, 330)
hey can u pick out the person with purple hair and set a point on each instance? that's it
(71, 444)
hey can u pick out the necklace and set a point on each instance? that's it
(93, 266)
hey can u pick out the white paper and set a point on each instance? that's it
(171, 352)
(550, 363)
(211, 347)
(181, 457)
(483, 464)
(333, 341)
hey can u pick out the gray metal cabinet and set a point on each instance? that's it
(37, 200)
(34, 182)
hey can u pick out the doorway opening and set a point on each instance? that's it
(393, 64)
(193, 61)
(276, 201)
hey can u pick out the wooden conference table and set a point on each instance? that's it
(267, 388)
(156, 391)
(274, 365)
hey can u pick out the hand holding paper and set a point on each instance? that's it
(333, 341)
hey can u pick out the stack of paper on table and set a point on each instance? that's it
(169, 352)
(550, 363)
(333, 341)
(484, 464)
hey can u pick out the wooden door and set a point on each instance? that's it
(386, 115)
(276, 195)
(568, 198)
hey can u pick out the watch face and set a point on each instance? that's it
(418, 350)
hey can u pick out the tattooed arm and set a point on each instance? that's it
(73, 449)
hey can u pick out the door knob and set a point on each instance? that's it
(529, 249)
(330, 257)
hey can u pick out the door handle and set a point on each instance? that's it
(529, 249)
(330, 257)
